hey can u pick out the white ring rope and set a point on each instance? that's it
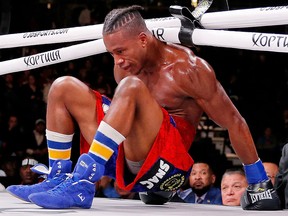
(255, 17)
(52, 57)
(51, 36)
(267, 16)
(229, 39)
(204, 37)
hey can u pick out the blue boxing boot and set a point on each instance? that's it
(56, 176)
(76, 191)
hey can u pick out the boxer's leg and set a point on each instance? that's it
(69, 100)
(133, 114)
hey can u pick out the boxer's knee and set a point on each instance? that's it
(62, 86)
(130, 86)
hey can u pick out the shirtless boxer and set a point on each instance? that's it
(163, 90)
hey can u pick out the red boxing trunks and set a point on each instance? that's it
(167, 164)
(102, 105)
(101, 102)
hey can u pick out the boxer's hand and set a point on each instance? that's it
(260, 196)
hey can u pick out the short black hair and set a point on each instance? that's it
(210, 167)
(231, 171)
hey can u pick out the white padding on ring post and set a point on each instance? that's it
(53, 57)
(241, 40)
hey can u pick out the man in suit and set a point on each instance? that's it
(282, 178)
(202, 189)
(271, 169)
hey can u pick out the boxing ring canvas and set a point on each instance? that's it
(10, 205)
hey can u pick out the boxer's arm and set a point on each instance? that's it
(212, 98)
(209, 94)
